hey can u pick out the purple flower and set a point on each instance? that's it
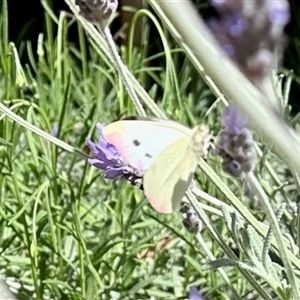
(279, 13)
(235, 143)
(97, 11)
(54, 130)
(194, 295)
(106, 157)
(190, 219)
(251, 33)
(233, 120)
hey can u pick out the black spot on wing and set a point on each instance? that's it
(130, 118)
(148, 155)
(136, 118)
(140, 118)
(136, 143)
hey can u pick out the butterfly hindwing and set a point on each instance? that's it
(169, 176)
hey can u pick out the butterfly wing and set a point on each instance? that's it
(169, 176)
(139, 142)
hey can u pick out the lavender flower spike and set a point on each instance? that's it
(251, 33)
(54, 130)
(235, 144)
(97, 11)
(190, 219)
(233, 120)
(194, 295)
(106, 157)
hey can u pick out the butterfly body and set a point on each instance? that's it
(166, 152)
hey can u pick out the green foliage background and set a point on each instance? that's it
(66, 233)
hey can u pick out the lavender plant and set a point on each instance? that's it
(190, 219)
(235, 143)
(193, 294)
(60, 239)
(253, 104)
(97, 11)
(106, 157)
(251, 33)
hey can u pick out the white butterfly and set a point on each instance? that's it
(166, 151)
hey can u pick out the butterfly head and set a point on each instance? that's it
(201, 140)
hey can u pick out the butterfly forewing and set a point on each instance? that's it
(140, 142)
